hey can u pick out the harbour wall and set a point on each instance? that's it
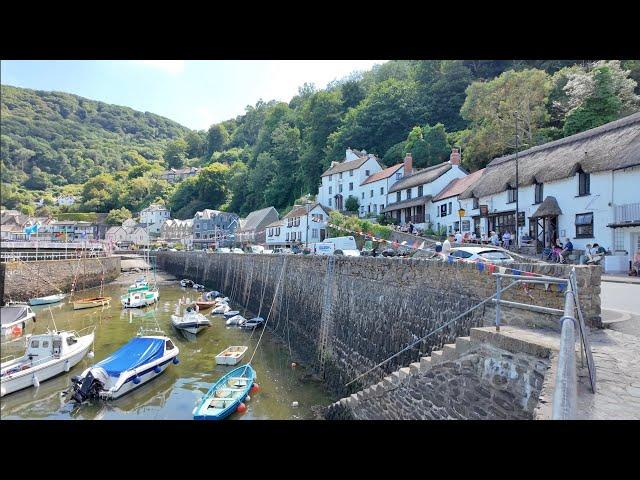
(24, 280)
(344, 315)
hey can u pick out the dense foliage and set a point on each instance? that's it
(276, 151)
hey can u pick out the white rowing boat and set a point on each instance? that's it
(231, 355)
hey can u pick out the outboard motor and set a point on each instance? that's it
(88, 387)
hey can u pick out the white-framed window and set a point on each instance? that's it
(381, 190)
(329, 201)
(371, 193)
(351, 173)
(330, 190)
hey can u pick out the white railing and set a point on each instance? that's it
(39, 256)
(627, 213)
(33, 244)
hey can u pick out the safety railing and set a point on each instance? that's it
(565, 391)
(39, 256)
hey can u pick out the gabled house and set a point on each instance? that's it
(213, 229)
(303, 225)
(252, 228)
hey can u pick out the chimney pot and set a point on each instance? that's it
(408, 164)
(454, 158)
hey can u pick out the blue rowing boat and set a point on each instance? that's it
(224, 397)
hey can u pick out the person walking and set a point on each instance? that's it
(506, 239)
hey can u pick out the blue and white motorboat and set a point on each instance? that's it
(47, 300)
(225, 396)
(141, 359)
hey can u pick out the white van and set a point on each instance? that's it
(337, 246)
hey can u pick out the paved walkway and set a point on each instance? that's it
(620, 278)
(617, 358)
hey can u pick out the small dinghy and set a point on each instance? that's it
(231, 355)
(135, 363)
(91, 302)
(231, 313)
(14, 318)
(47, 300)
(221, 309)
(222, 299)
(204, 304)
(46, 356)
(253, 323)
(236, 320)
(197, 286)
(191, 321)
(186, 283)
(225, 396)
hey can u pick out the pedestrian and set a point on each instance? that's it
(410, 227)
(494, 239)
(557, 249)
(446, 245)
(506, 239)
(374, 252)
(587, 255)
(458, 237)
(566, 251)
(635, 266)
(438, 247)
(597, 256)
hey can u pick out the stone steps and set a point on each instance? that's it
(536, 342)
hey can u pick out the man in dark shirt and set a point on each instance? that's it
(566, 251)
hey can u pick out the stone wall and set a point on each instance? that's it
(485, 384)
(373, 307)
(24, 280)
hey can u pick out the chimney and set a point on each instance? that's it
(454, 158)
(408, 164)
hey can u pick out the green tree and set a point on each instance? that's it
(195, 144)
(117, 216)
(447, 94)
(217, 139)
(352, 204)
(97, 193)
(428, 146)
(175, 153)
(601, 107)
(212, 184)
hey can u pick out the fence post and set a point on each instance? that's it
(498, 310)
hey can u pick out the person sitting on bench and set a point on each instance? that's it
(566, 251)
(597, 256)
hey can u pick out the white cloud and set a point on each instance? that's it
(169, 66)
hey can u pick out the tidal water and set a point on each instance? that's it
(173, 394)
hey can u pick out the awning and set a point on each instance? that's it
(635, 223)
(548, 208)
(412, 202)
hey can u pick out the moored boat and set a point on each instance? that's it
(46, 356)
(231, 313)
(220, 309)
(253, 323)
(135, 363)
(47, 300)
(236, 320)
(186, 283)
(14, 318)
(231, 355)
(225, 396)
(139, 285)
(205, 304)
(211, 295)
(191, 320)
(91, 302)
(141, 298)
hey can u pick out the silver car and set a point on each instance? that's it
(481, 254)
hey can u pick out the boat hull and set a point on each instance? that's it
(7, 328)
(202, 412)
(46, 300)
(222, 359)
(25, 378)
(129, 385)
(92, 303)
(190, 326)
(140, 299)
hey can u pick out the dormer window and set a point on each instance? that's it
(398, 175)
(351, 173)
(539, 192)
(511, 195)
(330, 177)
(340, 176)
(420, 191)
(476, 203)
(367, 172)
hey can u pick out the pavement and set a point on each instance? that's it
(620, 278)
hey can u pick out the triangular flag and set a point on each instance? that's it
(421, 246)
(480, 266)
(492, 268)
(502, 270)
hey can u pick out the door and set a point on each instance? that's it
(323, 234)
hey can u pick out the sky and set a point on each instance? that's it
(194, 93)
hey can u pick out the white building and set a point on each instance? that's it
(178, 231)
(303, 225)
(375, 188)
(344, 179)
(444, 210)
(127, 236)
(585, 187)
(153, 216)
(409, 199)
(66, 200)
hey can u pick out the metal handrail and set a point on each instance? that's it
(565, 392)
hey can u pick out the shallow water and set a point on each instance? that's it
(174, 393)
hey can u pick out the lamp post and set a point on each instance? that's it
(306, 241)
(517, 188)
(461, 213)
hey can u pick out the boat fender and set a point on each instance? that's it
(241, 408)
(16, 330)
(294, 404)
(136, 379)
(156, 369)
(176, 360)
(247, 398)
(66, 365)
(36, 382)
(255, 388)
(90, 354)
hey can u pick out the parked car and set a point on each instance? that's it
(481, 254)
(223, 250)
(389, 252)
(237, 250)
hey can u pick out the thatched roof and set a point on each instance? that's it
(458, 185)
(412, 202)
(611, 146)
(548, 208)
(421, 177)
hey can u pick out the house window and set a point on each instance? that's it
(330, 177)
(363, 195)
(539, 192)
(449, 208)
(330, 190)
(398, 175)
(381, 208)
(408, 193)
(443, 210)
(584, 183)
(299, 235)
(351, 173)
(340, 176)
(584, 225)
(350, 183)
(476, 203)
(371, 194)
(420, 191)
(329, 201)
(511, 195)
(340, 188)
(314, 233)
(381, 190)
(366, 172)
(397, 196)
